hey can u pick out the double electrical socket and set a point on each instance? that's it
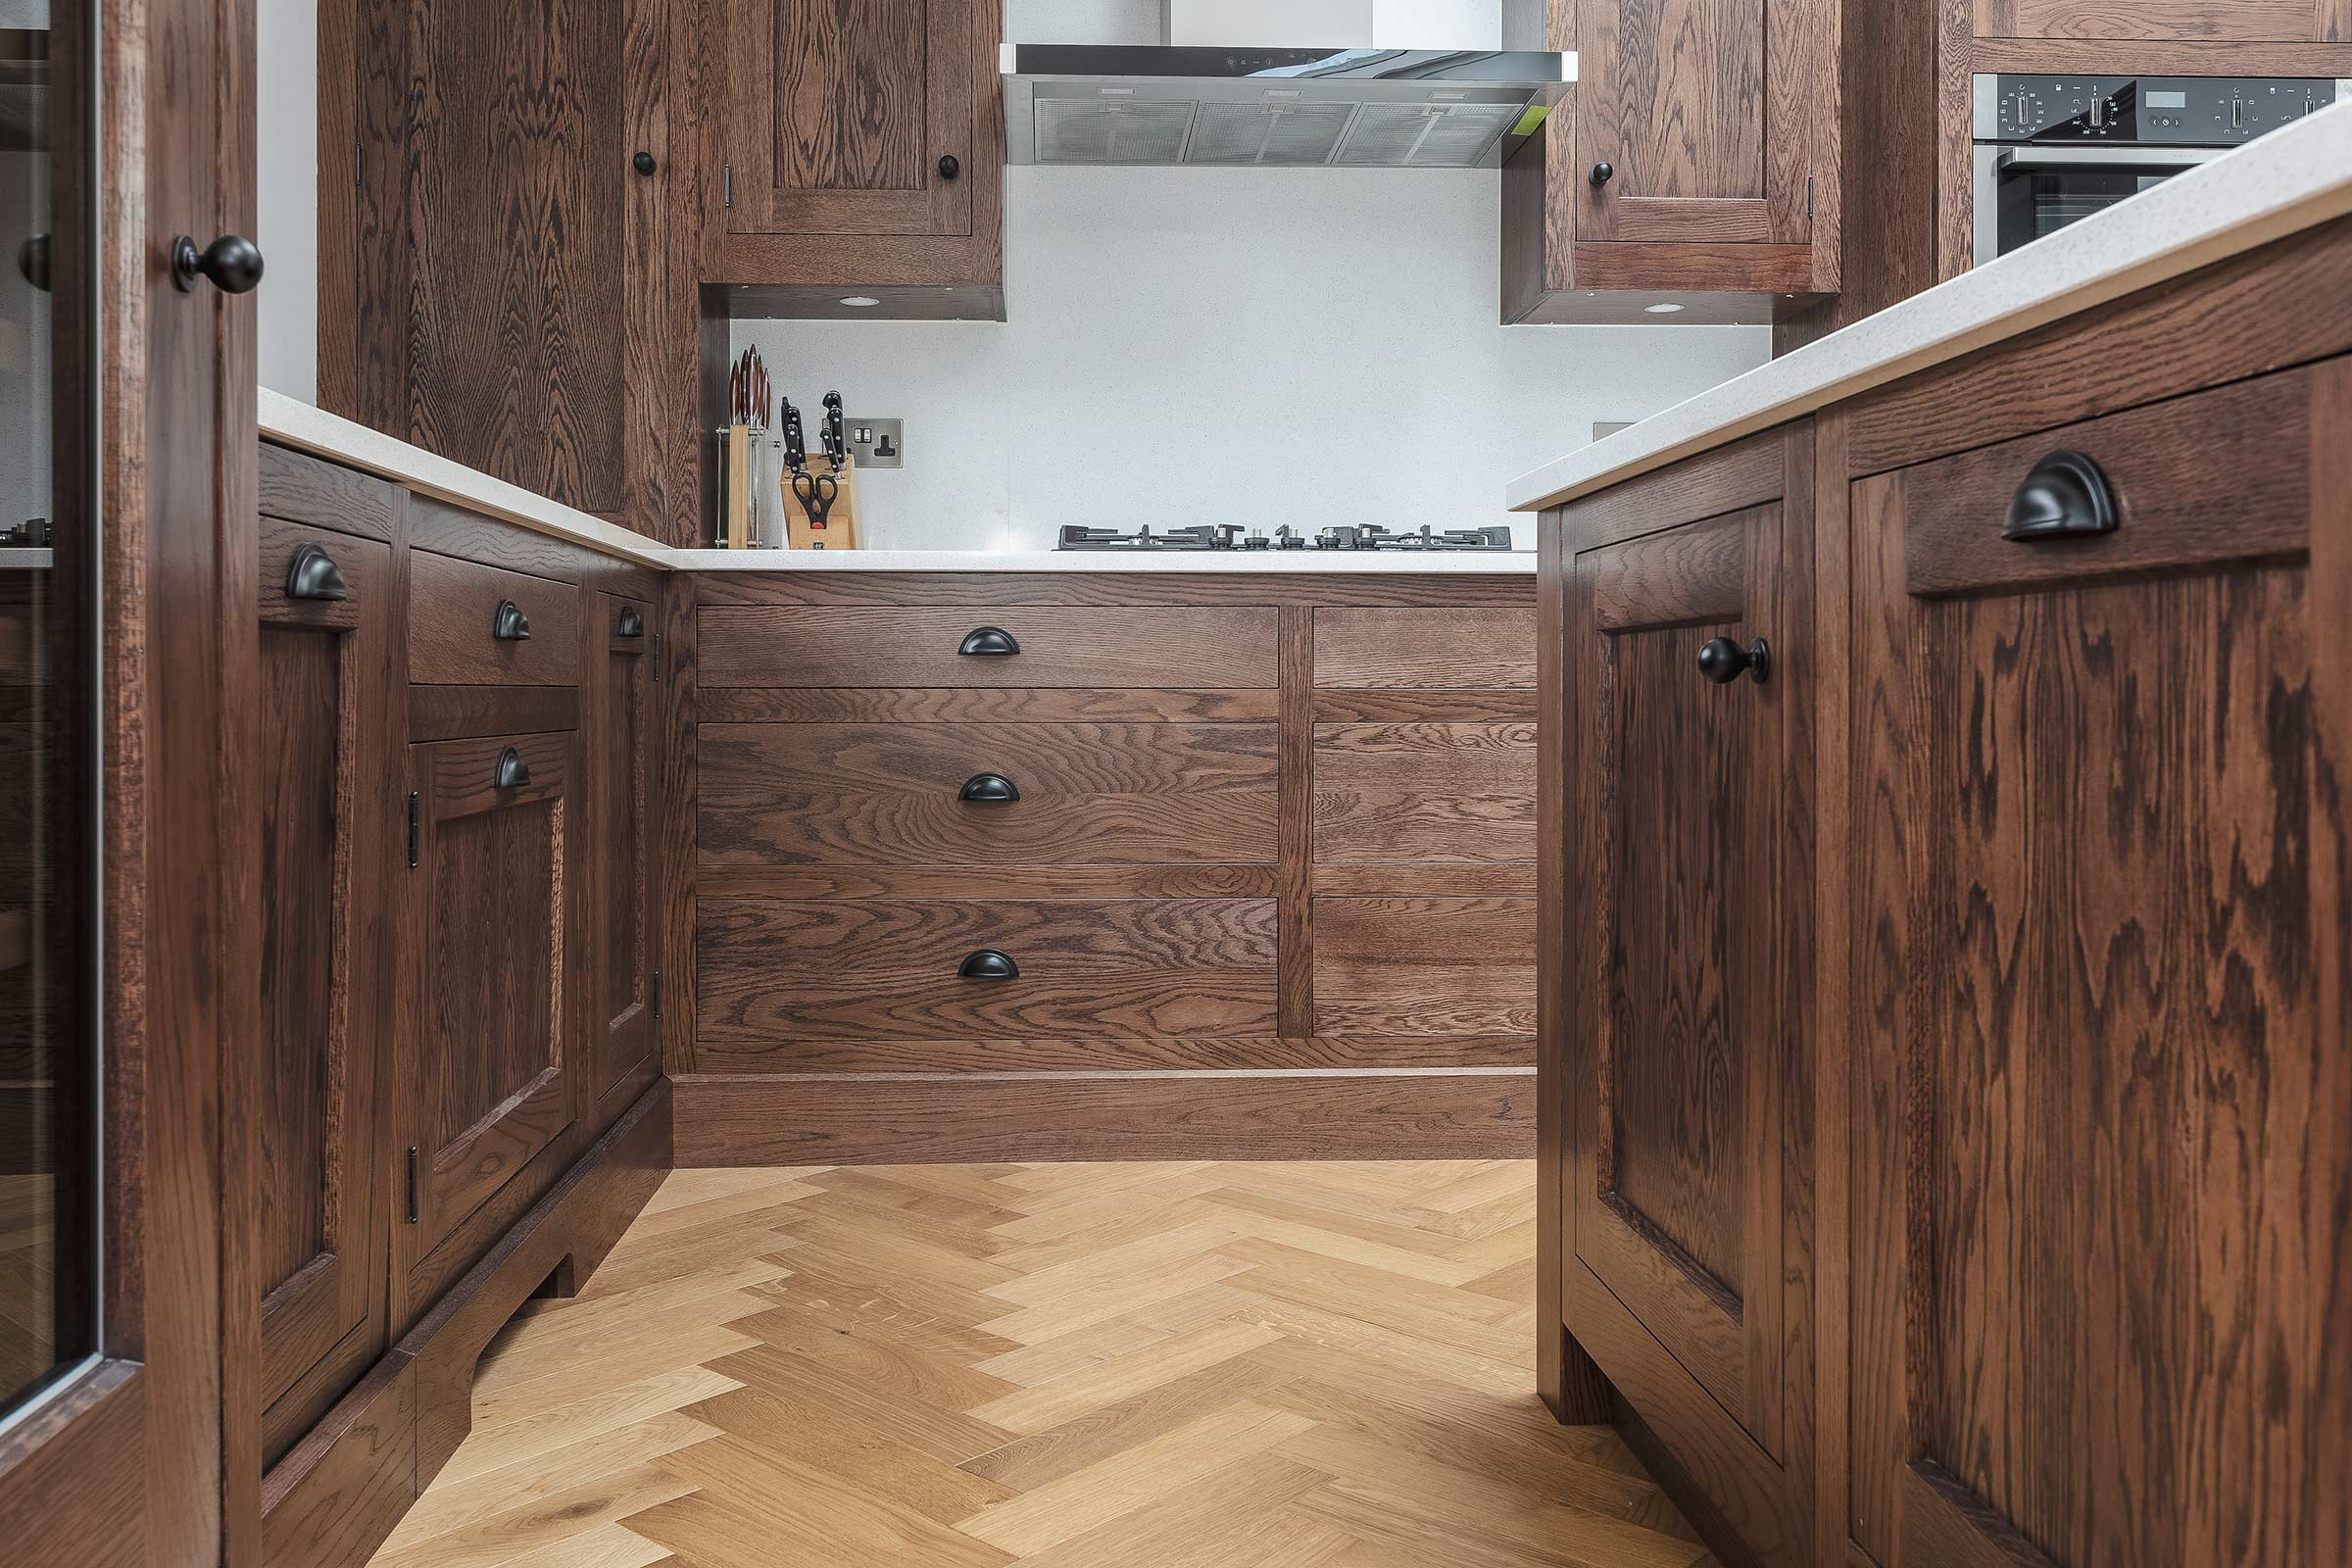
(876, 443)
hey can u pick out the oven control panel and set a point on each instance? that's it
(2189, 111)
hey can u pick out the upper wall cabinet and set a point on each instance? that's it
(1694, 166)
(492, 278)
(860, 149)
(850, 119)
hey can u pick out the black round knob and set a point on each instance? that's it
(1723, 661)
(232, 262)
(950, 166)
(1602, 173)
(642, 163)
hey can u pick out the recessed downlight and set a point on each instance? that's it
(1662, 308)
(866, 302)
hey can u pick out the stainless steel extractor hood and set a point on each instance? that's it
(1344, 108)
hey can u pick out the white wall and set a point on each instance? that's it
(286, 112)
(1252, 346)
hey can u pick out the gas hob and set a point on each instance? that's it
(1231, 536)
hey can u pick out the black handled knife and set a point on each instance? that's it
(795, 444)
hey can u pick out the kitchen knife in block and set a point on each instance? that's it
(841, 523)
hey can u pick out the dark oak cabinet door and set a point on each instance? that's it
(1688, 1281)
(850, 117)
(490, 961)
(492, 278)
(1705, 117)
(621, 738)
(330, 827)
(2101, 1005)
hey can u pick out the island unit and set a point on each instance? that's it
(1946, 884)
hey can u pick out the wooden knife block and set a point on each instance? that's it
(841, 523)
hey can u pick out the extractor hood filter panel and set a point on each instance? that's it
(1282, 135)
(1093, 130)
(1415, 136)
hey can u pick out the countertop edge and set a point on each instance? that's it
(2290, 181)
(1234, 563)
(291, 423)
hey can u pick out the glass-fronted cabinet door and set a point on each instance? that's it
(49, 1176)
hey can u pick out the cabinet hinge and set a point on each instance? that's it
(726, 184)
(412, 829)
(656, 993)
(411, 1184)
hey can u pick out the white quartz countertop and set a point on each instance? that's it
(2288, 182)
(294, 423)
(1322, 563)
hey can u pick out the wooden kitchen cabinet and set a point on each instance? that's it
(620, 736)
(858, 147)
(495, 282)
(329, 835)
(1688, 1040)
(2108, 844)
(1695, 164)
(492, 962)
(2183, 20)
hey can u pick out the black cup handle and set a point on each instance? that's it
(992, 642)
(2066, 496)
(987, 964)
(311, 574)
(632, 624)
(511, 773)
(989, 787)
(509, 624)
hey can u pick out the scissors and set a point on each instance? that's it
(816, 492)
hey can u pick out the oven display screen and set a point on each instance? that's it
(2167, 100)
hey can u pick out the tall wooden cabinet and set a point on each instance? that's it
(1695, 164)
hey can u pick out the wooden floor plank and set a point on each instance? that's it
(1187, 1365)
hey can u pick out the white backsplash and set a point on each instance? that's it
(1250, 346)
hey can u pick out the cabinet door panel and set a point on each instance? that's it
(2186, 20)
(840, 111)
(621, 733)
(328, 816)
(1699, 108)
(490, 969)
(1690, 1028)
(2114, 860)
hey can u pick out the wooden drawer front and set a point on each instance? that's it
(454, 608)
(1426, 650)
(829, 646)
(326, 495)
(2182, 501)
(890, 795)
(772, 969)
(1425, 966)
(1425, 793)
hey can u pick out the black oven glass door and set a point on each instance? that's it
(2025, 193)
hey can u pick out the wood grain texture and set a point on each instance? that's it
(1684, 577)
(773, 971)
(1069, 1050)
(623, 748)
(681, 818)
(296, 487)
(451, 607)
(2261, 312)
(888, 795)
(1676, 104)
(2139, 1032)
(1295, 846)
(859, 647)
(991, 882)
(339, 1493)
(1746, 473)
(1441, 966)
(1463, 793)
(461, 532)
(2185, 21)
(1445, 650)
(775, 704)
(875, 1118)
(325, 973)
(462, 712)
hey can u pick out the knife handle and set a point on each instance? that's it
(796, 446)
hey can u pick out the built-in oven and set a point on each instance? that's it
(2052, 150)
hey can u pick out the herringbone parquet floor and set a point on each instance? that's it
(1062, 1366)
